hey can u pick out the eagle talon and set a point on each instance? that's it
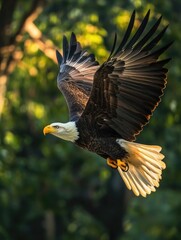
(123, 165)
(112, 163)
(118, 163)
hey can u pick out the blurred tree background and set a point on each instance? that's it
(50, 189)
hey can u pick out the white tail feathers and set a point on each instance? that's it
(145, 167)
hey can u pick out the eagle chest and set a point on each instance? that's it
(105, 147)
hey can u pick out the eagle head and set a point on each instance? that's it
(67, 131)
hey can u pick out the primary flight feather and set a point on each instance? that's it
(110, 103)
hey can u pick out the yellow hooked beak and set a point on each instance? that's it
(48, 129)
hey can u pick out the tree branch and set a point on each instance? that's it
(30, 16)
(43, 44)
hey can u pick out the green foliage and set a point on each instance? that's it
(158, 217)
(40, 174)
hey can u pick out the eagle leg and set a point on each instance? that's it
(118, 163)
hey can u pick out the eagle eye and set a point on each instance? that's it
(56, 126)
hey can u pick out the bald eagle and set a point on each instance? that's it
(110, 103)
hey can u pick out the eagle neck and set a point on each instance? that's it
(72, 133)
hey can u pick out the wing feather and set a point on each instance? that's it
(127, 33)
(128, 86)
(75, 78)
(65, 48)
(139, 31)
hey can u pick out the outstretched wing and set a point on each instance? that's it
(128, 86)
(75, 78)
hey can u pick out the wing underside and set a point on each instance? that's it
(74, 80)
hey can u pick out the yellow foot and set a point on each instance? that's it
(118, 163)
(123, 165)
(112, 163)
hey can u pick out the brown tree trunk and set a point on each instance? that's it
(10, 55)
(3, 81)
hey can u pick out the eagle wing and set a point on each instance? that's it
(75, 77)
(128, 86)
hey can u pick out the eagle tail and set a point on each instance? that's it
(145, 167)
